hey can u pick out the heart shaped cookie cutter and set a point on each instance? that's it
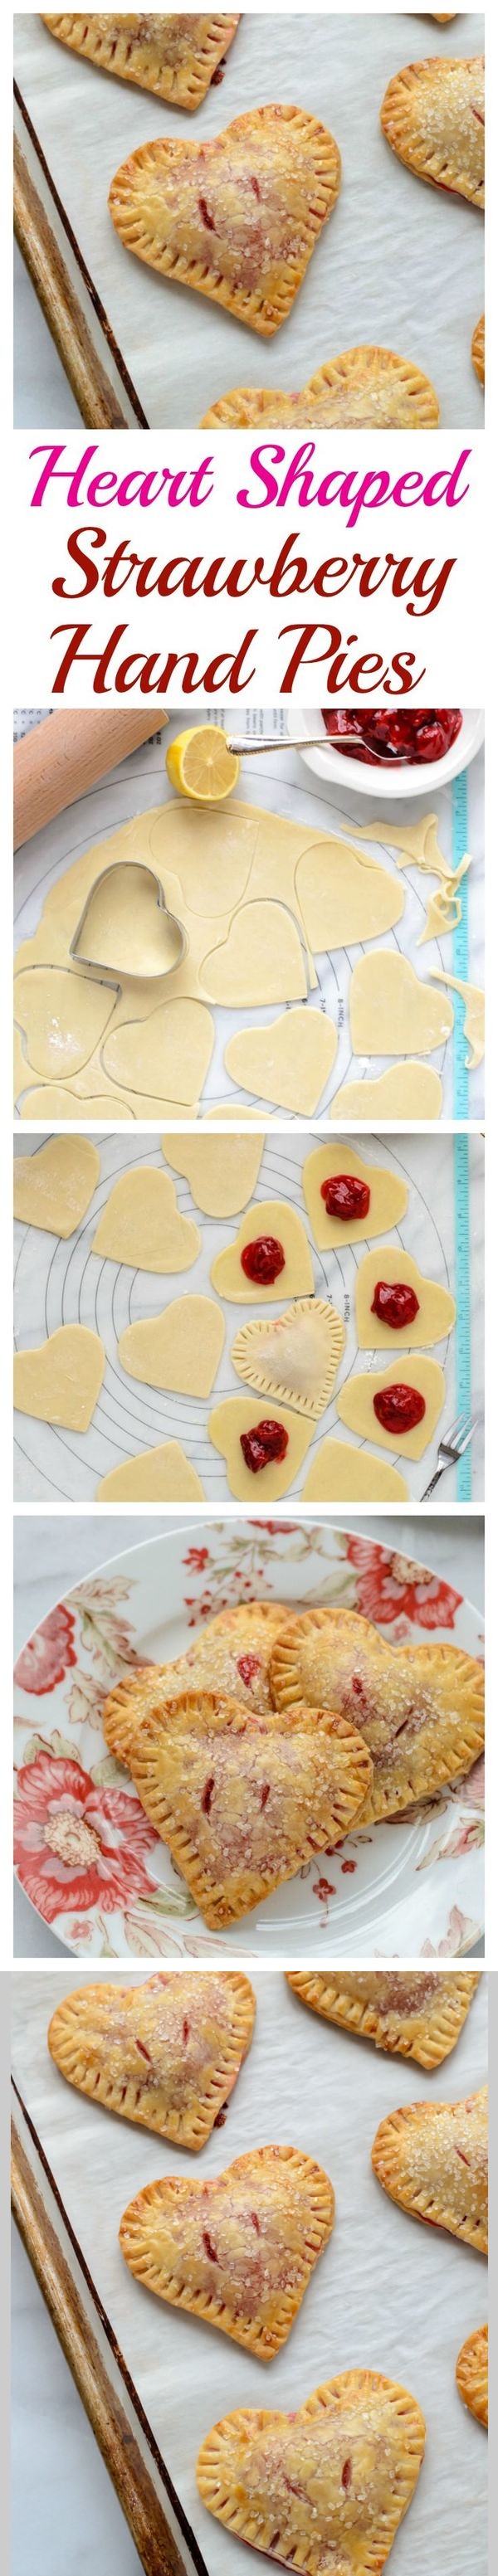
(127, 872)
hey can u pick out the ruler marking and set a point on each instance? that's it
(459, 812)
(463, 1304)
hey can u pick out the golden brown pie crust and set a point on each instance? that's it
(322, 2491)
(237, 2251)
(166, 2053)
(230, 1654)
(236, 217)
(433, 117)
(472, 2373)
(366, 388)
(244, 1802)
(478, 349)
(432, 2158)
(421, 1712)
(408, 2012)
(173, 56)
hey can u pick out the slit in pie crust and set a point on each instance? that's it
(432, 2158)
(323, 2490)
(415, 2013)
(237, 217)
(239, 2250)
(166, 2053)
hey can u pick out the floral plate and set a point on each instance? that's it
(86, 1854)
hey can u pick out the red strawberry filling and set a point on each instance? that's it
(399, 1408)
(395, 1303)
(345, 1195)
(248, 1666)
(263, 1260)
(267, 1441)
(418, 733)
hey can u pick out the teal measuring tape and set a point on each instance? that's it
(463, 1304)
(459, 837)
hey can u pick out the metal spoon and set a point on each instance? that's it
(245, 750)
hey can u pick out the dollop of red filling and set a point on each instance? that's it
(399, 1408)
(345, 1195)
(416, 733)
(267, 1441)
(395, 1303)
(263, 1259)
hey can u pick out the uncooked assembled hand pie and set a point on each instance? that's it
(243, 1802)
(421, 1712)
(236, 217)
(417, 2014)
(166, 2053)
(231, 1654)
(362, 389)
(322, 2490)
(175, 57)
(433, 115)
(293, 1356)
(432, 2157)
(472, 2373)
(237, 2251)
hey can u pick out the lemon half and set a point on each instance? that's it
(199, 764)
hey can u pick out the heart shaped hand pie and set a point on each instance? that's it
(174, 57)
(396, 1306)
(323, 2490)
(141, 1224)
(238, 217)
(243, 1802)
(269, 1258)
(162, 1475)
(288, 1063)
(347, 1198)
(231, 1655)
(397, 1407)
(472, 2373)
(293, 1356)
(417, 2014)
(179, 1350)
(433, 116)
(238, 2251)
(61, 1381)
(421, 1713)
(363, 389)
(391, 1012)
(166, 2053)
(222, 1171)
(53, 1187)
(432, 2157)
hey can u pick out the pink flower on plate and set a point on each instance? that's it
(197, 1557)
(49, 1654)
(392, 1586)
(77, 1845)
(470, 1792)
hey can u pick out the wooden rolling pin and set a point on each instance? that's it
(61, 758)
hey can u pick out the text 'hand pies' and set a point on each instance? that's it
(176, 57)
(244, 1802)
(323, 2490)
(421, 1713)
(433, 116)
(432, 2158)
(237, 217)
(166, 2053)
(472, 2373)
(413, 2013)
(237, 2251)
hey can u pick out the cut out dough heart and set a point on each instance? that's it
(366, 388)
(388, 1195)
(53, 1187)
(237, 217)
(406, 1091)
(194, 2033)
(142, 1226)
(238, 1415)
(355, 1404)
(432, 2158)
(341, 1474)
(295, 1279)
(61, 1381)
(166, 1055)
(244, 1800)
(289, 1063)
(179, 1350)
(436, 1309)
(162, 1475)
(294, 1356)
(125, 926)
(433, 117)
(345, 896)
(175, 57)
(391, 1012)
(63, 1016)
(472, 2373)
(207, 851)
(238, 2251)
(420, 1711)
(419, 2014)
(278, 2480)
(261, 961)
(231, 1655)
(222, 1171)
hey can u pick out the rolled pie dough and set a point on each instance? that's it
(288, 1063)
(293, 1356)
(167, 1054)
(341, 1474)
(269, 1217)
(162, 1475)
(391, 1012)
(388, 1195)
(405, 1091)
(436, 1308)
(355, 1403)
(53, 1187)
(61, 1381)
(222, 1171)
(179, 1350)
(239, 1414)
(141, 1224)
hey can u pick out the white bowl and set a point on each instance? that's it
(420, 778)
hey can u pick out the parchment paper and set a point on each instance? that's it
(398, 264)
(387, 2293)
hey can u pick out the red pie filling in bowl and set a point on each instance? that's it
(417, 734)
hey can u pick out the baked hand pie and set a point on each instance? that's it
(366, 388)
(239, 2250)
(421, 1711)
(231, 1654)
(244, 1802)
(432, 2157)
(323, 2490)
(413, 2013)
(478, 349)
(433, 116)
(166, 2053)
(294, 1356)
(174, 57)
(472, 2373)
(237, 217)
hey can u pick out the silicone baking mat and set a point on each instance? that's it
(281, 784)
(399, 264)
(65, 1282)
(387, 2294)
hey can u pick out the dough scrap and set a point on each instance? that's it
(388, 1196)
(405, 1091)
(443, 913)
(240, 1414)
(63, 1017)
(288, 1063)
(222, 1171)
(341, 1474)
(345, 896)
(261, 961)
(473, 1022)
(294, 1356)
(60, 1382)
(162, 1475)
(167, 1055)
(269, 1217)
(179, 1350)
(356, 1409)
(414, 844)
(141, 1224)
(54, 1186)
(437, 1310)
(391, 1012)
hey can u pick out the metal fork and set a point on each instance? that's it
(452, 1448)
